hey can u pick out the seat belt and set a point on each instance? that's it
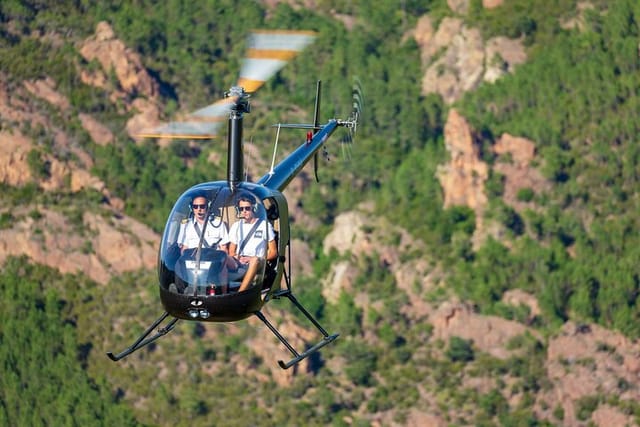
(244, 241)
(204, 241)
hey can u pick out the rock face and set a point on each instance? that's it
(491, 4)
(45, 89)
(464, 176)
(14, 169)
(363, 235)
(586, 361)
(51, 237)
(490, 334)
(459, 6)
(515, 155)
(457, 59)
(98, 132)
(133, 79)
(114, 56)
(582, 361)
(110, 247)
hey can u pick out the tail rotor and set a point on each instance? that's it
(351, 124)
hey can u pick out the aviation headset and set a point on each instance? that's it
(212, 214)
(199, 196)
(246, 198)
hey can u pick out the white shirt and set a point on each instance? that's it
(256, 244)
(215, 234)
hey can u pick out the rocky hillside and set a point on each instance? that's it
(99, 244)
(586, 374)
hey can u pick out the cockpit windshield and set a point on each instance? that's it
(215, 242)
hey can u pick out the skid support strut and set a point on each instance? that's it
(141, 342)
(297, 357)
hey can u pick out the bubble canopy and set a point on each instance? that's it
(194, 257)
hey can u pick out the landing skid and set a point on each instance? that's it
(297, 357)
(141, 342)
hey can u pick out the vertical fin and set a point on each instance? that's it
(316, 123)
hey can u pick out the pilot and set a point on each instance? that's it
(215, 231)
(251, 240)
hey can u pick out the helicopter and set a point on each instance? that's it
(203, 281)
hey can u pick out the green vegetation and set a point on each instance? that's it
(573, 247)
(43, 380)
(578, 100)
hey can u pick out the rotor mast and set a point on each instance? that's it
(235, 160)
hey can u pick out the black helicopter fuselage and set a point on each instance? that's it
(193, 285)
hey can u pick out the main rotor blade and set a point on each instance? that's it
(219, 110)
(269, 51)
(183, 130)
(201, 124)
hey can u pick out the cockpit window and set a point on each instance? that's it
(215, 242)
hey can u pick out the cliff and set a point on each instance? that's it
(579, 360)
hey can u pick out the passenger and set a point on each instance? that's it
(216, 235)
(251, 239)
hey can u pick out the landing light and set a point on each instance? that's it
(204, 314)
(193, 313)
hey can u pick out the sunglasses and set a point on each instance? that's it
(204, 206)
(244, 208)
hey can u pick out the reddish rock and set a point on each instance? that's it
(492, 4)
(457, 59)
(463, 177)
(490, 334)
(114, 247)
(521, 150)
(459, 6)
(133, 78)
(14, 169)
(114, 56)
(98, 132)
(45, 89)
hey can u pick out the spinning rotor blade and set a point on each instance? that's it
(269, 51)
(201, 124)
(217, 111)
(183, 130)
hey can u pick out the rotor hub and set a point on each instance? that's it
(242, 99)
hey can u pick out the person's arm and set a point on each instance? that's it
(272, 250)
(224, 243)
(182, 236)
